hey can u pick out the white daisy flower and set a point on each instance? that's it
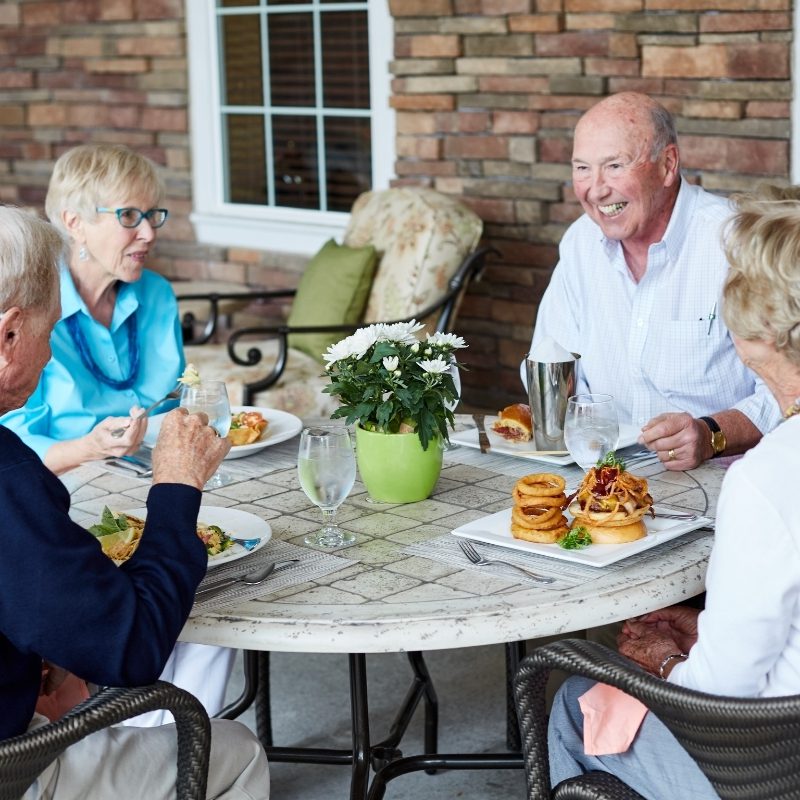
(435, 366)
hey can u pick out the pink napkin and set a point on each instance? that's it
(611, 719)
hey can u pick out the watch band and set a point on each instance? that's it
(718, 442)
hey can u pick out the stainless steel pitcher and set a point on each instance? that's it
(549, 387)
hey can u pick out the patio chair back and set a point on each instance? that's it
(748, 748)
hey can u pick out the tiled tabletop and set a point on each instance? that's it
(394, 600)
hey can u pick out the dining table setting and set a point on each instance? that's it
(441, 573)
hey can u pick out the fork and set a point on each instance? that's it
(476, 558)
(174, 394)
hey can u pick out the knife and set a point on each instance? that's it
(483, 439)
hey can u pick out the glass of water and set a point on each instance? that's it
(212, 398)
(591, 428)
(326, 466)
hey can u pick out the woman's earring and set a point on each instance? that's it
(83, 253)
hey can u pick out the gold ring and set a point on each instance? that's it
(671, 455)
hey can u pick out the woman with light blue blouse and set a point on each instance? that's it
(117, 346)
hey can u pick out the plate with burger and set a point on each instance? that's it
(608, 518)
(511, 433)
(252, 429)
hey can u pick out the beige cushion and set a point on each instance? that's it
(421, 237)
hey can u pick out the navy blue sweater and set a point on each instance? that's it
(63, 600)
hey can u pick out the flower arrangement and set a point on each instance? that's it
(391, 382)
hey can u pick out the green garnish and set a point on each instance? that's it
(110, 523)
(611, 460)
(575, 539)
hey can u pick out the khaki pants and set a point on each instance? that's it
(127, 763)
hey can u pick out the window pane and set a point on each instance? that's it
(291, 59)
(347, 160)
(295, 148)
(345, 59)
(241, 43)
(246, 168)
(232, 3)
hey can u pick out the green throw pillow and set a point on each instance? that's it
(333, 291)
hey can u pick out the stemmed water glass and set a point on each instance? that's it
(591, 428)
(326, 466)
(212, 398)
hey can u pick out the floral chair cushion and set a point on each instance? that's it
(299, 391)
(421, 237)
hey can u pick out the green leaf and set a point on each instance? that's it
(610, 460)
(576, 539)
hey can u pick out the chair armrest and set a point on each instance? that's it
(22, 758)
(214, 299)
(595, 786)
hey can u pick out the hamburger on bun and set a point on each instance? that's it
(610, 503)
(514, 423)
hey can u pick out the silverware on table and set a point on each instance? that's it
(253, 578)
(483, 439)
(687, 516)
(135, 465)
(479, 561)
(175, 393)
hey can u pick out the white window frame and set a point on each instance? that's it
(261, 227)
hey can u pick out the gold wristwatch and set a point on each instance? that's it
(718, 440)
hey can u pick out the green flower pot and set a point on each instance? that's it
(395, 468)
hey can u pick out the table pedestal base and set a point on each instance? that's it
(384, 758)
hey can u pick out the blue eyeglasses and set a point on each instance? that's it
(131, 217)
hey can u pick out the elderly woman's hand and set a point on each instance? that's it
(187, 450)
(104, 445)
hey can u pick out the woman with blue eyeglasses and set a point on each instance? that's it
(117, 346)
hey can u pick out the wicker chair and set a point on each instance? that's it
(24, 757)
(748, 748)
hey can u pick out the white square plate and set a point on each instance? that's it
(628, 434)
(496, 529)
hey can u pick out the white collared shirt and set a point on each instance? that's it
(660, 345)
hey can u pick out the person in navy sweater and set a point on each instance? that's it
(62, 601)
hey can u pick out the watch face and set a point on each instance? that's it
(718, 441)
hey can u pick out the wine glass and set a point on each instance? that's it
(326, 466)
(212, 398)
(591, 428)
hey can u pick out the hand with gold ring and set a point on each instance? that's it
(678, 438)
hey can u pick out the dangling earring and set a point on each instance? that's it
(83, 253)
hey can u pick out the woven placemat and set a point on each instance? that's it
(311, 564)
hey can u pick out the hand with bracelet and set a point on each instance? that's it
(659, 640)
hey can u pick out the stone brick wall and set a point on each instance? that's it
(486, 92)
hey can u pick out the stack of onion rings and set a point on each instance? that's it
(537, 516)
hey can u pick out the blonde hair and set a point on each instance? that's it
(91, 175)
(30, 252)
(762, 290)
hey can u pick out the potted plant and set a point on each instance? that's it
(400, 393)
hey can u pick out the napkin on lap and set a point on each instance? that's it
(611, 720)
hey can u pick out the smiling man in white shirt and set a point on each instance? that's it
(636, 291)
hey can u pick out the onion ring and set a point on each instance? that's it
(540, 537)
(541, 484)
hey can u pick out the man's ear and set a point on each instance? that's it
(11, 324)
(672, 164)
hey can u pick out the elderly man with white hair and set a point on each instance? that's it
(106, 624)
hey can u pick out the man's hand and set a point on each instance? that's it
(681, 441)
(188, 450)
